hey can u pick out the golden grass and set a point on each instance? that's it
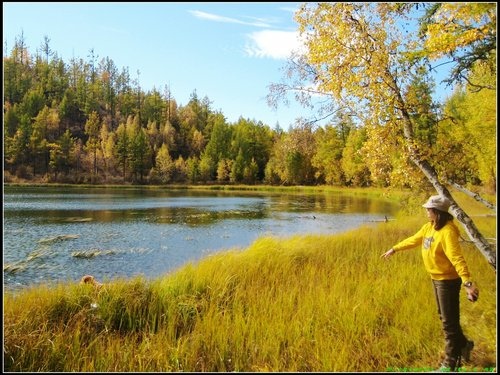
(304, 303)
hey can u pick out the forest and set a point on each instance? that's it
(87, 121)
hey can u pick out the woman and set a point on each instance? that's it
(444, 261)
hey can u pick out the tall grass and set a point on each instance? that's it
(301, 303)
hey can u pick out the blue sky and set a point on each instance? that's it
(229, 52)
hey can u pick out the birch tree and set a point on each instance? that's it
(365, 57)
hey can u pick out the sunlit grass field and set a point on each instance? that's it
(295, 304)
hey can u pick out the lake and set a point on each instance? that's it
(54, 234)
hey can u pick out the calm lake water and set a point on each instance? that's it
(60, 234)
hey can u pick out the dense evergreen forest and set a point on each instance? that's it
(87, 121)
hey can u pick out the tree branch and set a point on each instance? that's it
(473, 195)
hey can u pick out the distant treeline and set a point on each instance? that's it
(88, 122)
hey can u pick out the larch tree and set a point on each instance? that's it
(164, 165)
(354, 166)
(92, 130)
(366, 57)
(327, 159)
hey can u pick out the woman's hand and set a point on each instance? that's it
(388, 253)
(472, 293)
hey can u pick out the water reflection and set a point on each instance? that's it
(54, 234)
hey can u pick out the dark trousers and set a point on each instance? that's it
(447, 294)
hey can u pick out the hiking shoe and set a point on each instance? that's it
(443, 368)
(466, 350)
(449, 365)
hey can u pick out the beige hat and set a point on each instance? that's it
(438, 202)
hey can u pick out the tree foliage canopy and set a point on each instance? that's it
(462, 32)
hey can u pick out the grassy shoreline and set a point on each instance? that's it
(302, 303)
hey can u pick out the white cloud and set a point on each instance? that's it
(217, 18)
(273, 44)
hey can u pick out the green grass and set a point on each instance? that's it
(305, 303)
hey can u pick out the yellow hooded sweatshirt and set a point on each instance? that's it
(442, 254)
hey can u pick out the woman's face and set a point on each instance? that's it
(431, 214)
